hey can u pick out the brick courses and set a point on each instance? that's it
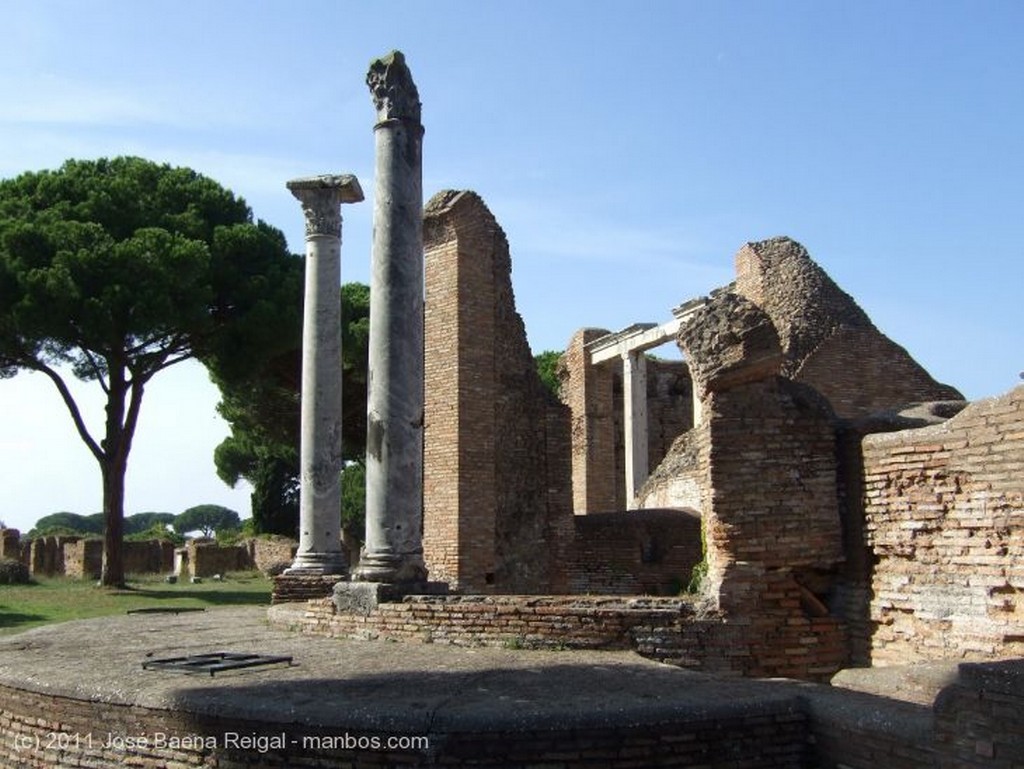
(944, 509)
(497, 515)
(636, 552)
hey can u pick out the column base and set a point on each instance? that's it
(390, 568)
(308, 564)
(303, 586)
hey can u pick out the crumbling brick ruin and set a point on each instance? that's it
(759, 435)
(496, 443)
(828, 341)
(823, 539)
(497, 476)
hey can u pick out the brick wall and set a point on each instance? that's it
(149, 557)
(772, 469)
(588, 392)
(854, 730)
(675, 630)
(669, 406)
(208, 558)
(497, 513)
(46, 555)
(594, 394)
(266, 553)
(669, 414)
(974, 724)
(632, 553)
(944, 508)
(861, 371)
(10, 544)
(84, 559)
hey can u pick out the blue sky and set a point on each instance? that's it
(627, 149)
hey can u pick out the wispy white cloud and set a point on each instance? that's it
(46, 99)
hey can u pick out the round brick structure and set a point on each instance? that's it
(76, 695)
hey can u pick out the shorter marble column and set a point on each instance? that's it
(320, 462)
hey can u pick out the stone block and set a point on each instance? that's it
(363, 598)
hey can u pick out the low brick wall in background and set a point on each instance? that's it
(209, 558)
(83, 559)
(266, 553)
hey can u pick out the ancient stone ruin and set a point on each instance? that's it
(850, 510)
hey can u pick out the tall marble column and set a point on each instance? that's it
(394, 438)
(320, 462)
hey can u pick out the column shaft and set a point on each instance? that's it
(394, 439)
(634, 381)
(320, 458)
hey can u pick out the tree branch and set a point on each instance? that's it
(131, 419)
(69, 401)
(96, 368)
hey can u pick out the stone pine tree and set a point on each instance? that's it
(114, 270)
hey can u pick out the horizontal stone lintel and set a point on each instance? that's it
(642, 336)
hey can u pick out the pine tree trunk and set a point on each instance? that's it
(112, 574)
(114, 465)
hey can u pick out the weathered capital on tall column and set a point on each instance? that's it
(321, 198)
(393, 91)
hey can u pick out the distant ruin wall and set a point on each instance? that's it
(46, 555)
(669, 414)
(944, 508)
(862, 371)
(631, 553)
(269, 553)
(594, 395)
(83, 559)
(588, 392)
(497, 514)
(10, 544)
(208, 558)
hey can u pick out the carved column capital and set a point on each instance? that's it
(321, 198)
(394, 93)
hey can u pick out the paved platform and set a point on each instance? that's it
(364, 685)
(480, 707)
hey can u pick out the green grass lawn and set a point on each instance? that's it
(57, 599)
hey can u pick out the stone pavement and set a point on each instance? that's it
(368, 686)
